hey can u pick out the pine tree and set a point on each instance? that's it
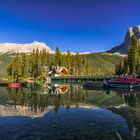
(24, 65)
(133, 54)
(131, 63)
(58, 57)
(34, 64)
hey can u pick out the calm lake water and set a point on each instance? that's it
(68, 112)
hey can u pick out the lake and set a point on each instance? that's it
(68, 112)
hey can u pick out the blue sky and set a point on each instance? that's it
(75, 25)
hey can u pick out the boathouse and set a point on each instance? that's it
(58, 71)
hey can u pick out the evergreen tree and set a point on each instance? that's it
(58, 57)
(131, 63)
(34, 64)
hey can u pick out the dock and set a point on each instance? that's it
(81, 78)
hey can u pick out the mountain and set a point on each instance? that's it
(27, 48)
(123, 48)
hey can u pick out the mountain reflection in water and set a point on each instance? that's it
(67, 112)
(75, 123)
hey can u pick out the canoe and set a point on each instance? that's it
(126, 81)
(123, 83)
(15, 84)
(120, 83)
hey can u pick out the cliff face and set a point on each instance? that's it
(123, 48)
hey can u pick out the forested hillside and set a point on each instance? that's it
(95, 63)
(4, 60)
(103, 63)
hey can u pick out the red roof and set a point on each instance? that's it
(124, 81)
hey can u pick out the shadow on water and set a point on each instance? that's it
(67, 112)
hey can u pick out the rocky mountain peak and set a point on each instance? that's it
(24, 48)
(123, 48)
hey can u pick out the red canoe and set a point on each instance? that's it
(15, 84)
(124, 81)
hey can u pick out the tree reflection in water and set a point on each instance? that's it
(39, 97)
(131, 111)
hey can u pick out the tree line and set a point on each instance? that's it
(38, 63)
(131, 63)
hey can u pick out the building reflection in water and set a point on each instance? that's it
(58, 89)
(35, 100)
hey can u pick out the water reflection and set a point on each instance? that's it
(39, 97)
(69, 107)
(57, 89)
(73, 124)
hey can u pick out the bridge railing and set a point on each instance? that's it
(84, 77)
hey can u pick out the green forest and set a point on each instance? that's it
(39, 63)
(131, 63)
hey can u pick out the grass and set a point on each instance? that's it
(103, 62)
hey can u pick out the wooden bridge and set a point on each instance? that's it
(81, 78)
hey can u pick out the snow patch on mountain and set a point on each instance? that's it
(24, 48)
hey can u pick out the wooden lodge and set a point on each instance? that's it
(58, 71)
